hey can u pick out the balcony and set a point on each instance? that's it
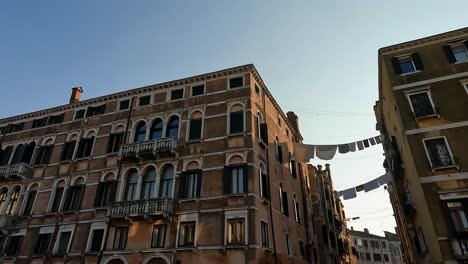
(460, 248)
(151, 148)
(20, 170)
(143, 208)
(5, 221)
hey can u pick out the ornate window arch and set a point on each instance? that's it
(172, 128)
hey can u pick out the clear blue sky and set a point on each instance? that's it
(315, 58)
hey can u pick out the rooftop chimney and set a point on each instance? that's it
(293, 120)
(366, 230)
(76, 94)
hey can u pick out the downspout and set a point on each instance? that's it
(118, 176)
(269, 188)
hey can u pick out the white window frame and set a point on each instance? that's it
(456, 45)
(267, 235)
(235, 76)
(464, 83)
(448, 148)
(150, 103)
(187, 218)
(197, 84)
(236, 214)
(405, 57)
(94, 226)
(420, 91)
(64, 228)
(129, 105)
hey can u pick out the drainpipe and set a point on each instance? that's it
(118, 175)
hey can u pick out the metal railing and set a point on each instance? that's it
(151, 146)
(156, 206)
(22, 170)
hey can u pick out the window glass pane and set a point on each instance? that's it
(145, 100)
(421, 104)
(96, 240)
(156, 129)
(195, 129)
(406, 66)
(460, 53)
(198, 90)
(236, 122)
(234, 179)
(57, 199)
(438, 152)
(63, 243)
(173, 127)
(165, 189)
(124, 104)
(80, 114)
(177, 94)
(236, 82)
(140, 132)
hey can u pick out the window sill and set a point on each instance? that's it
(113, 153)
(43, 165)
(235, 195)
(237, 134)
(409, 73)
(446, 167)
(427, 117)
(38, 256)
(240, 87)
(64, 161)
(262, 143)
(237, 246)
(82, 159)
(265, 200)
(194, 141)
(182, 248)
(92, 253)
(69, 212)
(187, 200)
(461, 62)
(51, 214)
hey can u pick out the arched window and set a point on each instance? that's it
(19, 152)
(31, 197)
(264, 188)
(5, 155)
(284, 201)
(173, 127)
(28, 152)
(130, 190)
(236, 119)
(85, 146)
(156, 131)
(149, 182)
(278, 151)
(3, 197)
(57, 197)
(11, 208)
(167, 180)
(140, 132)
(196, 123)
(44, 152)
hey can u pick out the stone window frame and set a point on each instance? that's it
(26, 194)
(52, 195)
(233, 214)
(62, 229)
(187, 218)
(426, 90)
(228, 81)
(229, 110)
(197, 84)
(449, 151)
(94, 226)
(188, 126)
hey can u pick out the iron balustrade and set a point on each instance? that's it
(154, 206)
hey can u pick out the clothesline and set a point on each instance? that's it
(305, 152)
(366, 187)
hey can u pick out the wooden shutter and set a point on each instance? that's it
(98, 199)
(47, 154)
(245, 169)
(227, 180)
(88, 146)
(111, 192)
(449, 54)
(199, 183)
(264, 132)
(417, 61)
(110, 143)
(78, 197)
(182, 185)
(396, 65)
(81, 148)
(39, 155)
(68, 198)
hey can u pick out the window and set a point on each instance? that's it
(257, 89)
(186, 234)
(257, 125)
(56, 119)
(5, 155)
(167, 181)
(368, 257)
(283, 201)
(97, 235)
(421, 104)
(458, 215)
(198, 90)
(159, 236)
(156, 130)
(149, 183)
(235, 231)
(177, 94)
(144, 100)
(39, 122)
(132, 181)
(384, 245)
(278, 151)
(11, 208)
(377, 257)
(190, 184)
(15, 128)
(68, 150)
(31, 197)
(235, 179)
(196, 124)
(13, 245)
(120, 237)
(73, 197)
(278, 119)
(123, 105)
(114, 143)
(236, 122)
(105, 194)
(140, 132)
(3, 197)
(236, 82)
(57, 197)
(96, 110)
(173, 127)
(364, 243)
(292, 165)
(386, 258)
(42, 244)
(407, 64)
(79, 114)
(85, 146)
(264, 234)
(64, 240)
(301, 248)
(43, 154)
(264, 183)
(438, 152)
(459, 52)
(297, 210)
(288, 245)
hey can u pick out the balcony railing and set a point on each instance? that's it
(5, 221)
(150, 147)
(149, 207)
(460, 248)
(21, 170)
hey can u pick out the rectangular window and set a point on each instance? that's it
(68, 150)
(13, 245)
(177, 94)
(198, 90)
(235, 231)
(386, 258)
(420, 243)
(377, 257)
(288, 245)
(297, 212)
(264, 185)
(278, 119)
(30, 202)
(301, 248)
(284, 202)
(74, 197)
(39, 122)
(236, 122)
(460, 53)
(56, 119)
(124, 105)
(384, 245)
(195, 131)
(42, 244)
(43, 154)
(96, 110)
(159, 236)
(120, 237)
(438, 152)
(144, 100)
(85, 147)
(64, 242)
(190, 184)
(257, 89)
(421, 104)
(458, 215)
(236, 82)
(407, 64)
(364, 243)
(235, 179)
(186, 234)
(79, 114)
(57, 198)
(105, 194)
(264, 234)
(115, 141)
(368, 257)
(96, 240)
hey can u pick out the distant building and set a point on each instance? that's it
(422, 113)
(376, 249)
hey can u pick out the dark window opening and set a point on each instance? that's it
(42, 244)
(73, 198)
(236, 82)
(190, 184)
(159, 236)
(80, 114)
(421, 104)
(105, 194)
(120, 238)
(187, 234)
(438, 151)
(198, 90)
(236, 122)
(235, 179)
(144, 100)
(115, 141)
(123, 105)
(177, 94)
(96, 240)
(195, 129)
